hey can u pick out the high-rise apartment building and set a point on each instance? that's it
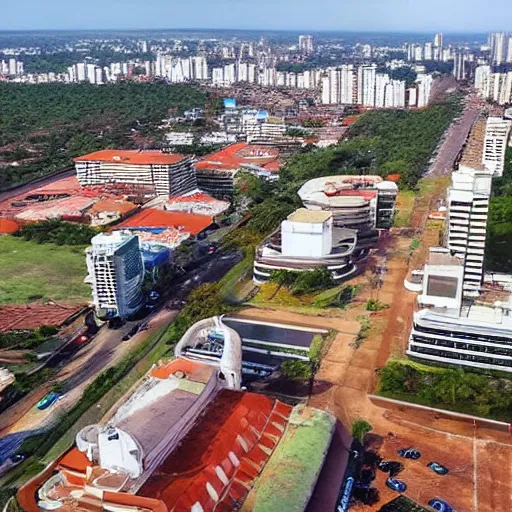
(482, 74)
(468, 206)
(381, 81)
(366, 76)
(497, 132)
(498, 43)
(428, 51)
(116, 274)
(459, 66)
(306, 44)
(424, 87)
(438, 46)
(347, 89)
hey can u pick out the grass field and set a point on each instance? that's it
(31, 271)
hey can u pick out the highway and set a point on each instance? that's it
(455, 138)
(271, 333)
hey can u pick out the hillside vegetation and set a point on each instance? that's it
(499, 233)
(42, 127)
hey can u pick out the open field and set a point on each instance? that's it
(32, 271)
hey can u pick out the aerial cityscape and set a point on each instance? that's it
(250, 269)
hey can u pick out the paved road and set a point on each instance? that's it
(455, 138)
(23, 189)
(271, 334)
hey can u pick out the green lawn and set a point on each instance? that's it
(31, 271)
(290, 475)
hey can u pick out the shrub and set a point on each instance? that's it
(315, 349)
(375, 305)
(297, 370)
(458, 389)
(360, 428)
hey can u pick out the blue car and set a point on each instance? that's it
(396, 485)
(47, 401)
(437, 468)
(440, 505)
(409, 453)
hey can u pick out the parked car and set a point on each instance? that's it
(396, 485)
(47, 401)
(17, 458)
(440, 505)
(132, 332)
(391, 466)
(115, 323)
(437, 468)
(409, 453)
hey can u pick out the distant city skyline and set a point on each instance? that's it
(456, 16)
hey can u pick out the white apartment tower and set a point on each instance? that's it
(347, 84)
(497, 133)
(482, 74)
(381, 81)
(366, 76)
(116, 274)
(438, 46)
(424, 87)
(498, 42)
(468, 207)
(306, 44)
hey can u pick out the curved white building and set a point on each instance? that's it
(363, 203)
(307, 240)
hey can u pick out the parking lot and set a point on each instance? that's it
(480, 470)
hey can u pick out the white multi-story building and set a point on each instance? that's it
(497, 134)
(509, 49)
(366, 76)
(424, 87)
(199, 67)
(347, 77)
(498, 42)
(482, 74)
(381, 81)
(306, 44)
(428, 51)
(116, 274)
(412, 97)
(438, 46)
(468, 207)
(459, 66)
(152, 171)
(452, 330)
(81, 72)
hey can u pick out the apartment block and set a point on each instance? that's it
(159, 173)
(116, 274)
(497, 132)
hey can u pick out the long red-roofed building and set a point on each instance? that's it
(216, 172)
(167, 174)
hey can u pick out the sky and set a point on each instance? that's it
(343, 15)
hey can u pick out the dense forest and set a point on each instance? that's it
(499, 233)
(43, 127)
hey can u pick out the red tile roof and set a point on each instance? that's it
(234, 425)
(32, 316)
(131, 157)
(199, 197)
(152, 218)
(236, 155)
